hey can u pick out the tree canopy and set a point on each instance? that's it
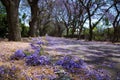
(69, 18)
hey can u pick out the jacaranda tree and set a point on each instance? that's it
(12, 18)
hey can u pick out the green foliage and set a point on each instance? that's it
(24, 30)
(51, 31)
(54, 29)
(109, 33)
(99, 33)
(3, 26)
(86, 31)
(102, 34)
(70, 31)
(24, 16)
(106, 22)
(41, 51)
(99, 38)
(27, 53)
(3, 22)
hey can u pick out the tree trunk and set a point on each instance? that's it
(90, 30)
(90, 34)
(73, 31)
(13, 19)
(58, 30)
(116, 30)
(67, 32)
(34, 17)
(116, 35)
(90, 25)
(80, 30)
(32, 29)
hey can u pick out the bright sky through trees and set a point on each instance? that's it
(25, 8)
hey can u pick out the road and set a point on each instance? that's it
(104, 55)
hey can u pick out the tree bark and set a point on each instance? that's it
(67, 32)
(90, 34)
(90, 26)
(34, 17)
(79, 33)
(73, 31)
(116, 23)
(13, 19)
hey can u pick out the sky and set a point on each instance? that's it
(23, 8)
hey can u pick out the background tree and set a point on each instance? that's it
(93, 8)
(12, 18)
(34, 17)
(78, 17)
(113, 17)
(45, 15)
(116, 22)
(62, 14)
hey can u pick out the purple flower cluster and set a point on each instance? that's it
(99, 74)
(71, 65)
(102, 74)
(34, 60)
(7, 73)
(19, 54)
(79, 66)
(36, 45)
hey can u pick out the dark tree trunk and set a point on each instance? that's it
(90, 34)
(79, 33)
(73, 31)
(108, 34)
(13, 19)
(116, 23)
(32, 29)
(116, 30)
(67, 32)
(34, 17)
(59, 30)
(116, 34)
(90, 28)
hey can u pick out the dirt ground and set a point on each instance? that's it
(94, 53)
(7, 48)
